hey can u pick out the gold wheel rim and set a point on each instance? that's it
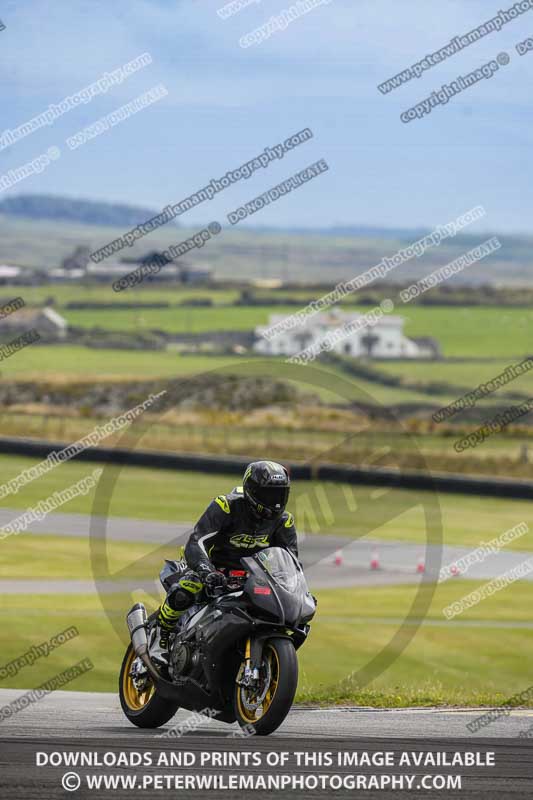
(248, 714)
(135, 700)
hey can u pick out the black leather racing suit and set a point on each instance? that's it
(225, 532)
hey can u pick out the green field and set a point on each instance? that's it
(449, 664)
(443, 664)
(466, 374)
(69, 363)
(472, 332)
(49, 557)
(172, 320)
(75, 363)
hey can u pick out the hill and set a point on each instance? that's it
(39, 231)
(68, 209)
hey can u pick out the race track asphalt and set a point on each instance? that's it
(93, 722)
(82, 715)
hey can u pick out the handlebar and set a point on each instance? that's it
(233, 583)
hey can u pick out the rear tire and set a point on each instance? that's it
(146, 710)
(284, 680)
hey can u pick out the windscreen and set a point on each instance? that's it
(281, 568)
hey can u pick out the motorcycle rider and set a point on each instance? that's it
(249, 518)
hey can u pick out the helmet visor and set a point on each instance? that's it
(273, 498)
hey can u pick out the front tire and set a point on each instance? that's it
(279, 659)
(144, 709)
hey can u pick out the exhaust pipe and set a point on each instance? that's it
(136, 620)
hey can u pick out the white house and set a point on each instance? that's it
(384, 339)
(9, 274)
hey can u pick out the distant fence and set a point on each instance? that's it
(189, 437)
(233, 465)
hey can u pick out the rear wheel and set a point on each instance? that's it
(141, 704)
(261, 709)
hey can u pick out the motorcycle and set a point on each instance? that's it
(233, 655)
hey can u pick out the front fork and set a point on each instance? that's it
(253, 656)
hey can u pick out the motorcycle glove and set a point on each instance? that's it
(214, 580)
(204, 568)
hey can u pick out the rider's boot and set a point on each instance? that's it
(180, 597)
(166, 620)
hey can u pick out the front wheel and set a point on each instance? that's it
(142, 706)
(261, 709)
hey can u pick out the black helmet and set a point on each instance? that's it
(266, 487)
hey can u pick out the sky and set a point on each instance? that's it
(226, 103)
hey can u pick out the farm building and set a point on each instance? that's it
(50, 325)
(384, 339)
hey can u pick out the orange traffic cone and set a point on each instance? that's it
(374, 561)
(421, 565)
(338, 558)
